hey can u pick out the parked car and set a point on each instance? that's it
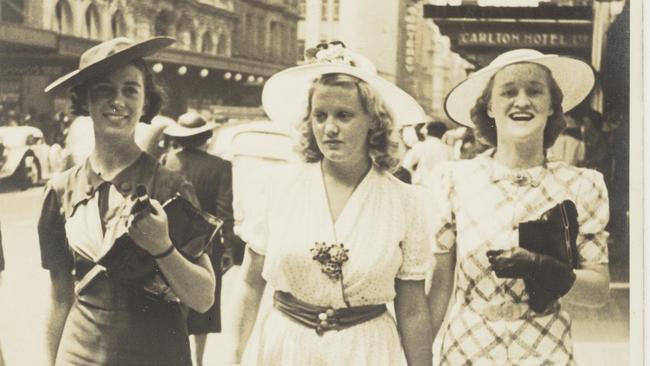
(26, 157)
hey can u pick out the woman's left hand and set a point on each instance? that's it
(148, 229)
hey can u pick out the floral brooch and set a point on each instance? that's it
(331, 258)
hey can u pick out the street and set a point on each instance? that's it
(600, 336)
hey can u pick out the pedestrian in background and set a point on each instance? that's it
(338, 237)
(134, 314)
(211, 177)
(433, 152)
(569, 146)
(488, 210)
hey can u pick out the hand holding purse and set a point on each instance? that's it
(546, 256)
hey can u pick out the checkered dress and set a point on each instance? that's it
(479, 205)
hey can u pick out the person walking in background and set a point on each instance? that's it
(130, 312)
(211, 177)
(519, 231)
(569, 146)
(433, 152)
(338, 237)
(415, 152)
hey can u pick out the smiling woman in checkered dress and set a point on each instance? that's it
(520, 99)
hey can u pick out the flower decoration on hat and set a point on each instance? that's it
(333, 52)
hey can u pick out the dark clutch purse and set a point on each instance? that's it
(191, 231)
(554, 234)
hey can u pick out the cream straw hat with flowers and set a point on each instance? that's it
(285, 94)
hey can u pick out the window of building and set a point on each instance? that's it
(162, 23)
(302, 8)
(92, 22)
(62, 21)
(300, 50)
(118, 24)
(12, 11)
(207, 45)
(223, 45)
(324, 10)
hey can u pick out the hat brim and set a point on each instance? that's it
(116, 60)
(575, 78)
(181, 131)
(285, 94)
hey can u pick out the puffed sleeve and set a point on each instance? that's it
(593, 216)
(441, 210)
(51, 233)
(252, 207)
(416, 258)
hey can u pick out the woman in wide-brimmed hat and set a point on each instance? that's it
(126, 311)
(522, 231)
(339, 237)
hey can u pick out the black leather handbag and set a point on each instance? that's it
(191, 231)
(553, 234)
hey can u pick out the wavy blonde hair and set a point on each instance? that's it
(383, 142)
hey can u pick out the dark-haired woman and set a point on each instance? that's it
(505, 302)
(130, 314)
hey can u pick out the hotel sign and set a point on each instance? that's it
(517, 39)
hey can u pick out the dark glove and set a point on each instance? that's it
(551, 274)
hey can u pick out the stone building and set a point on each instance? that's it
(225, 49)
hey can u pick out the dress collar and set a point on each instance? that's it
(520, 177)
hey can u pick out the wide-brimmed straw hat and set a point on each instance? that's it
(285, 94)
(108, 56)
(189, 124)
(575, 78)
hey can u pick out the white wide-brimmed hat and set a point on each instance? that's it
(189, 124)
(575, 78)
(109, 55)
(285, 94)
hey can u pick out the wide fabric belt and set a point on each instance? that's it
(322, 319)
(507, 311)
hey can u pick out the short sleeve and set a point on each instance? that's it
(593, 216)
(252, 207)
(51, 233)
(441, 212)
(416, 252)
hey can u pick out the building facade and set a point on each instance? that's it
(406, 48)
(217, 62)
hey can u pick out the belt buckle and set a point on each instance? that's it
(492, 313)
(508, 311)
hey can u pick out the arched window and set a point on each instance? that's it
(118, 24)
(62, 21)
(12, 11)
(162, 24)
(92, 22)
(207, 45)
(223, 46)
(185, 34)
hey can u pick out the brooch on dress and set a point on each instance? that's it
(331, 258)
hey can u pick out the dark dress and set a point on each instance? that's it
(111, 322)
(211, 177)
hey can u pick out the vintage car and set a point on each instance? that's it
(26, 157)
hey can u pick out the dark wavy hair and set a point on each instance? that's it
(154, 95)
(383, 141)
(486, 128)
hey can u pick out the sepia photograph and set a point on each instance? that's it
(321, 182)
